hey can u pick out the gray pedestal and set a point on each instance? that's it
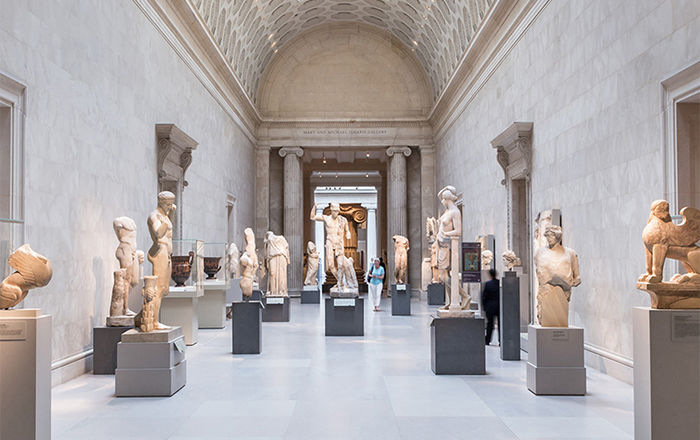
(436, 294)
(345, 316)
(245, 327)
(257, 295)
(457, 346)
(25, 379)
(555, 361)
(311, 295)
(276, 309)
(150, 364)
(509, 317)
(400, 299)
(666, 374)
(104, 346)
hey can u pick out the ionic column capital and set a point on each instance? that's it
(391, 151)
(297, 151)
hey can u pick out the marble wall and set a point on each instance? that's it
(98, 80)
(587, 74)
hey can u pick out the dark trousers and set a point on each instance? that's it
(491, 315)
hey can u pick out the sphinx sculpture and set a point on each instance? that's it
(557, 272)
(401, 247)
(32, 270)
(311, 265)
(510, 260)
(160, 228)
(431, 230)
(233, 261)
(664, 239)
(486, 259)
(248, 264)
(448, 240)
(276, 262)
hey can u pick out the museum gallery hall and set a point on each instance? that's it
(349, 219)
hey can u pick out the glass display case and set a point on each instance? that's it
(187, 263)
(11, 236)
(215, 262)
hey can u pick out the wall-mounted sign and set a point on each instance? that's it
(471, 262)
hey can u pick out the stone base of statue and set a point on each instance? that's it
(400, 299)
(509, 317)
(672, 295)
(246, 335)
(257, 295)
(181, 309)
(311, 295)
(555, 361)
(455, 313)
(348, 293)
(211, 307)
(150, 364)
(104, 348)
(457, 346)
(666, 374)
(25, 364)
(436, 294)
(276, 309)
(120, 321)
(345, 316)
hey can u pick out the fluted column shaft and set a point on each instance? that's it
(293, 214)
(397, 218)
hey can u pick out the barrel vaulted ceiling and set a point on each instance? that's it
(250, 32)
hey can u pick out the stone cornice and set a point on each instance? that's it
(506, 23)
(184, 30)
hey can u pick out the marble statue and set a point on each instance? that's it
(337, 231)
(276, 262)
(347, 278)
(664, 239)
(448, 238)
(160, 228)
(311, 278)
(130, 260)
(557, 272)
(401, 248)
(233, 261)
(510, 260)
(486, 259)
(248, 264)
(148, 321)
(32, 271)
(431, 230)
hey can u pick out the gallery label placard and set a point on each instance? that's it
(560, 335)
(277, 300)
(685, 327)
(400, 287)
(13, 330)
(344, 302)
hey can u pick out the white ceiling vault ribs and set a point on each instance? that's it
(250, 32)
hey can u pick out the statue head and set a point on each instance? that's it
(310, 248)
(486, 257)
(125, 228)
(553, 235)
(268, 236)
(166, 202)
(335, 210)
(140, 256)
(249, 236)
(448, 195)
(510, 259)
(660, 209)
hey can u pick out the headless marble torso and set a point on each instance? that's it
(557, 272)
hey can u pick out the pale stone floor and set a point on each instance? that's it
(307, 386)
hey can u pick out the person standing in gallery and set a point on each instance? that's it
(490, 303)
(376, 283)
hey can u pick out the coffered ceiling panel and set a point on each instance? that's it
(250, 32)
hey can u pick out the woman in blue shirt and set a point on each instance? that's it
(376, 283)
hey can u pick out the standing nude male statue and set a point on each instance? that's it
(337, 231)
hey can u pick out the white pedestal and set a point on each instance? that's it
(666, 374)
(180, 308)
(555, 361)
(234, 293)
(212, 305)
(25, 374)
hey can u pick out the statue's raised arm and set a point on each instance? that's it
(316, 218)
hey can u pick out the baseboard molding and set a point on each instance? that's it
(71, 367)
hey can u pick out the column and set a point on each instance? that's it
(372, 250)
(428, 193)
(293, 218)
(320, 246)
(397, 220)
(262, 194)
